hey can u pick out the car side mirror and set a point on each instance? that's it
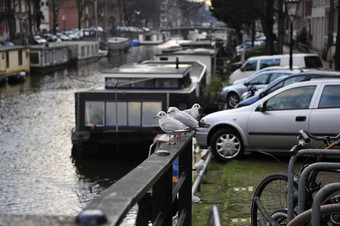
(242, 69)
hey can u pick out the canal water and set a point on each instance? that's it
(39, 176)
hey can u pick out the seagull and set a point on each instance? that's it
(194, 111)
(186, 118)
(183, 117)
(170, 125)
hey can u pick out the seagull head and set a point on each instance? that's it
(160, 115)
(172, 110)
(196, 106)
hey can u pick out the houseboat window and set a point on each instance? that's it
(82, 51)
(149, 110)
(48, 57)
(166, 83)
(134, 113)
(94, 113)
(34, 58)
(111, 113)
(20, 57)
(123, 82)
(7, 59)
(147, 38)
(144, 83)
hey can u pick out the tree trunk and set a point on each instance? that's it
(280, 27)
(337, 51)
(11, 19)
(267, 25)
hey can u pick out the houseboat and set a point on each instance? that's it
(14, 63)
(80, 52)
(153, 37)
(117, 44)
(48, 57)
(207, 56)
(120, 114)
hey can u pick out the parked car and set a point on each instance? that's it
(231, 95)
(272, 123)
(50, 37)
(7, 43)
(251, 96)
(63, 37)
(253, 64)
(72, 35)
(39, 40)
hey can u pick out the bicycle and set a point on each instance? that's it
(270, 204)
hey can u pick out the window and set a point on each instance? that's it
(261, 79)
(129, 113)
(330, 97)
(295, 98)
(313, 62)
(269, 62)
(250, 66)
(7, 59)
(20, 57)
(150, 109)
(94, 113)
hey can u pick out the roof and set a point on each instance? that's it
(168, 70)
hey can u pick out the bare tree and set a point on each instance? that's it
(10, 12)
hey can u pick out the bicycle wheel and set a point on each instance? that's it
(329, 215)
(272, 192)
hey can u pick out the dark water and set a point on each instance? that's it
(38, 174)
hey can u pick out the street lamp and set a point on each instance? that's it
(291, 7)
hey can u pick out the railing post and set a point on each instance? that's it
(185, 200)
(162, 198)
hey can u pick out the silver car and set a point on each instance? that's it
(232, 94)
(272, 123)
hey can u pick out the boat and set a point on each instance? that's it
(80, 52)
(118, 44)
(118, 118)
(14, 63)
(47, 58)
(153, 37)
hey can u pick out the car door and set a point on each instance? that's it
(285, 114)
(324, 119)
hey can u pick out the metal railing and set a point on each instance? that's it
(111, 207)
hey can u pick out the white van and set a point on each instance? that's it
(253, 64)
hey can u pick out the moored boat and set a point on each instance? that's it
(118, 44)
(120, 114)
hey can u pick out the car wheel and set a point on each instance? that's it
(226, 144)
(232, 100)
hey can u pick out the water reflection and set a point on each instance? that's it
(38, 174)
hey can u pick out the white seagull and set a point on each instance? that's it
(183, 117)
(170, 125)
(194, 111)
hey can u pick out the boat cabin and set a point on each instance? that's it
(121, 113)
(14, 63)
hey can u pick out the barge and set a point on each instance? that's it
(118, 117)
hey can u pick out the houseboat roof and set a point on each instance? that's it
(196, 51)
(195, 69)
(15, 47)
(152, 70)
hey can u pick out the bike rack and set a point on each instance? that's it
(291, 165)
(319, 197)
(324, 166)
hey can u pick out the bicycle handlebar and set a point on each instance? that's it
(305, 137)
